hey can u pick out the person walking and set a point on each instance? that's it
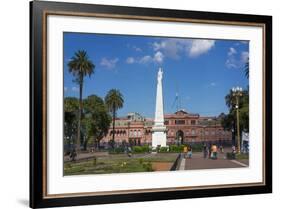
(185, 151)
(221, 149)
(205, 150)
(189, 152)
(233, 152)
(210, 150)
(214, 151)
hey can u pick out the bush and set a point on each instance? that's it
(137, 149)
(145, 148)
(197, 147)
(154, 149)
(242, 156)
(116, 150)
(230, 156)
(147, 166)
(163, 149)
(175, 148)
(140, 149)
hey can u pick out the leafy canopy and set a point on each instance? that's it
(114, 100)
(80, 65)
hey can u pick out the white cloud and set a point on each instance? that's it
(174, 48)
(199, 47)
(109, 63)
(231, 51)
(130, 60)
(231, 63)
(65, 88)
(244, 56)
(233, 59)
(158, 57)
(171, 47)
(244, 42)
(75, 89)
(137, 49)
(238, 43)
(145, 59)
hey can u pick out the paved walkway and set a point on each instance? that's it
(198, 162)
(182, 165)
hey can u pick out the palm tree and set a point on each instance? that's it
(80, 66)
(114, 101)
(230, 100)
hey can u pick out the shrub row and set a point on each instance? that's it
(140, 149)
(146, 148)
(116, 150)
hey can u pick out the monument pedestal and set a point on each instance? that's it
(159, 136)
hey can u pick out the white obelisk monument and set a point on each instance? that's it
(159, 129)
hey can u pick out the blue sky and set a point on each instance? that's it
(201, 71)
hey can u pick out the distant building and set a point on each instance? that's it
(182, 128)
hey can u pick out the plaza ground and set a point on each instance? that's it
(105, 163)
(198, 162)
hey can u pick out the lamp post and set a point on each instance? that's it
(237, 93)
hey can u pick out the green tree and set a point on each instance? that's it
(96, 121)
(71, 107)
(228, 119)
(114, 101)
(80, 66)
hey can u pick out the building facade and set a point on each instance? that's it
(182, 128)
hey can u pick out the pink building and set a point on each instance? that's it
(182, 128)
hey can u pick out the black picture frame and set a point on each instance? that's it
(38, 11)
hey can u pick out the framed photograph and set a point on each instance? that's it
(139, 104)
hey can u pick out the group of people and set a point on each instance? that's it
(211, 151)
(187, 150)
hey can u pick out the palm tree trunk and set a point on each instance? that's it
(79, 116)
(113, 126)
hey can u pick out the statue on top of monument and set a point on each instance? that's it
(160, 75)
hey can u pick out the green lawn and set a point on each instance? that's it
(242, 156)
(117, 163)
